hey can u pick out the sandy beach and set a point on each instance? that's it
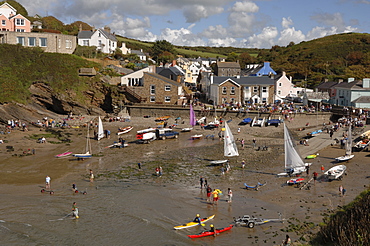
(183, 161)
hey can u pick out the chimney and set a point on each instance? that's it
(173, 63)
(351, 80)
(80, 28)
(340, 80)
(326, 80)
(366, 83)
(211, 78)
(284, 73)
(107, 29)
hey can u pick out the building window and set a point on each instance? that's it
(167, 99)
(20, 40)
(255, 89)
(19, 22)
(31, 41)
(68, 44)
(20, 30)
(152, 99)
(224, 90)
(264, 89)
(59, 43)
(264, 99)
(280, 84)
(279, 92)
(224, 100)
(43, 42)
(99, 43)
(85, 43)
(99, 35)
(167, 88)
(152, 90)
(3, 22)
(232, 90)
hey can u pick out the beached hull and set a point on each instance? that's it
(192, 224)
(295, 181)
(196, 136)
(218, 162)
(188, 129)
(125, 130)
(64, 154)
(311, 156)
(344, 158)
(86, 155)
(336, 172)
(208, 233)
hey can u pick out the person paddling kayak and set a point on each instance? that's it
(197, 219)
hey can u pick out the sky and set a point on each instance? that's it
(245, 24)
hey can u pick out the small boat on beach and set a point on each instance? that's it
(164, 118)
(348, 154)
(248, 187)
(218, 162)
(124, 130)
(88, 147)
(336, 172)
(197, 136)
(209, 233)
(192, 224)
(187, 129)
(64, 154)
(295, 181)
(245, 121)
(312, 156)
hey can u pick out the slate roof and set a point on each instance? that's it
(245, 81)
(362, 99)
(138, 52)
(88, 34)
(174, 70)
(228, 65)
(354, 85)
(164, 79)
(327, 85)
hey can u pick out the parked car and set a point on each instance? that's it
(164, 133)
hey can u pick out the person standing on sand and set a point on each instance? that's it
(215, 196)
(254, 142)
(243, 163)
(205, 183)
(201, 182)
(242, 142)
(91, 175)
(139, 165)
(209, 192)
(230, 195)
(287, 241)
(340, 190)
(47, 182)
(315, 174)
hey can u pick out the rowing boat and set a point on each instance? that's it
(191, 224)
(209, 233)
(124, 130)
(64, 154)
(295, 181)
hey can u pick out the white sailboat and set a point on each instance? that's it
(293, 162)
(230, 148)
(100, 130)
(348, 155)
(88, 153)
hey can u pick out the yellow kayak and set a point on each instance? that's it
(191, 224)
(311, 156)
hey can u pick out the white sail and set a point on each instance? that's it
(88, 153)
(230, 148)
(100, 130)
(349, 142)
(292, 158)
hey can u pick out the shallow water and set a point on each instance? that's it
(142, 209)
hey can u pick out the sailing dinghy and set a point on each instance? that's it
(348, 155)
(88, 147)
(193, 121)
(294, 165)
(100, 130)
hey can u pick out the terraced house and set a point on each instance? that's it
(16, 29)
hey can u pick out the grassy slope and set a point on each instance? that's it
(20, 67)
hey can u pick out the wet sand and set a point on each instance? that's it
(183, 162)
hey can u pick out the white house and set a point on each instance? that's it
(105, 41)
(284, 87)
(353, 93)
(136, 78)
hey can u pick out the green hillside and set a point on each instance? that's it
(333, 57)
(20, 67)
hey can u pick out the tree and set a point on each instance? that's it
(245, 59)
(232, 57)
(161, 46)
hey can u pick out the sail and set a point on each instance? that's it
(349, 142)
(230, 148)
(100, 130)
(292, 158)
(192, 116)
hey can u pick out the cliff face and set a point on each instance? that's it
(100, 99)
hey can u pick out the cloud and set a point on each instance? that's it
(263, 40)
(182, 36)
(319, 31)
(290, 35)
(286, 22)
(327, 19)
(246, 6)
(195, 13)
